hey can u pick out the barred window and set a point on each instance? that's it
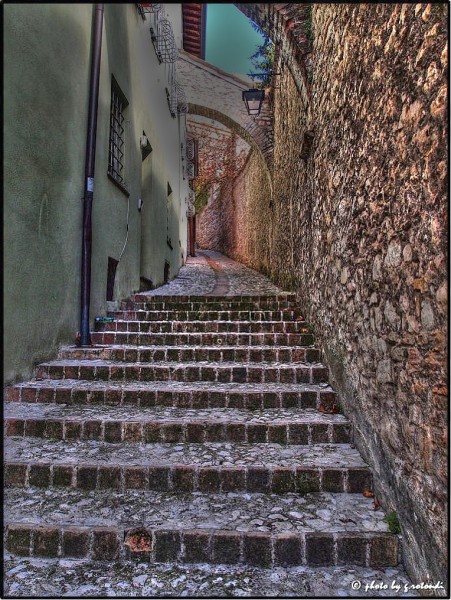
(117, 134)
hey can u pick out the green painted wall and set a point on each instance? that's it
(46, 86)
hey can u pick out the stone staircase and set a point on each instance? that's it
(197, 429)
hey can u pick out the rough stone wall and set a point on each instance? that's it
(242, 203)
(359, 229)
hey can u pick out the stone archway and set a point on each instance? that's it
(213, 93)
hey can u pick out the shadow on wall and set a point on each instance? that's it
(44, 132)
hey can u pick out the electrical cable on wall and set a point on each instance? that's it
(126, 237)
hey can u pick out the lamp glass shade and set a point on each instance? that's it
(253, 100)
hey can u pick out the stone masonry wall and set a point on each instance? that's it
(359, 229)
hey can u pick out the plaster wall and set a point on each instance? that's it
(46, 86)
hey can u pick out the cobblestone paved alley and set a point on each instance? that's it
(196, 449)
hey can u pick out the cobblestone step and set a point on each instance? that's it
(39, 578)
(202, 339)
(175, 393)
(235, 302)
(203, 315)
(199, 306)
(204, 326)
(232, 511)
(214, 528)
(149, 425)
(222, 372)
(241, 354)
(207, 467)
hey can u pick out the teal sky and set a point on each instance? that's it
(230, 39)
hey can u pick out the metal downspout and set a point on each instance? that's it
(85, 336)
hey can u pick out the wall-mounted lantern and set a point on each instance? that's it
(253, 99)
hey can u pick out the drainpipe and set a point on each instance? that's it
(85, 336)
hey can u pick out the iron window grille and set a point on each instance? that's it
(117, 134)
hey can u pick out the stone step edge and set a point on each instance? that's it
(226, 372)
(241, 354)
(218, 546)
(188, 478)
(108, 338)
(198, 326)
(204, 298)
(67, 391)
(188, 430)
(177, 314)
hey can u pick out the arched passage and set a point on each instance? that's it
(216, 94)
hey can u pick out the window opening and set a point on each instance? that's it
(117, 134)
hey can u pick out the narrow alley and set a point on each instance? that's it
(226, 299)
(195, 430)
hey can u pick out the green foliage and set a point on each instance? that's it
(308, 25)
(262, 60)
(392, 521)
(201, 198)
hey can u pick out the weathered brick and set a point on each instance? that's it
(257, 549)
(75, 543)
(235, 432)
(215, 432)
(34, 428)
(359, 480)
(113, 396)
(341, 434)
(73, 430)
(138, 543)
(39, 475)
(135, 478)
(287, 550)
(233, 479)
(167, 545)
(173, 432)
(109, 478)
(282, 480)
(195, 433)
(132, 397)
(307, 480)
(15, 427)
(183, 478)
(226, 547)
(18, 539)
(351, 550)
(384, 551)
(277, 434)
(92, 430)
(54, 430)
(332, 480)
(308, 399)
(159, 478)
(298, 433)
(271, 400)
(12, 394)
(112, 431)
(133, 432)
(257, 479)
(319, 549)
(208, 479)
(152, 433)
(105, 544)
(320, 433)
(256, 433)
(46, 542)
(15, 475)
(197, 546)
(87, 478)
(62, 476)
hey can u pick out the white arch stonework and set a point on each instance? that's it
(213, 93)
